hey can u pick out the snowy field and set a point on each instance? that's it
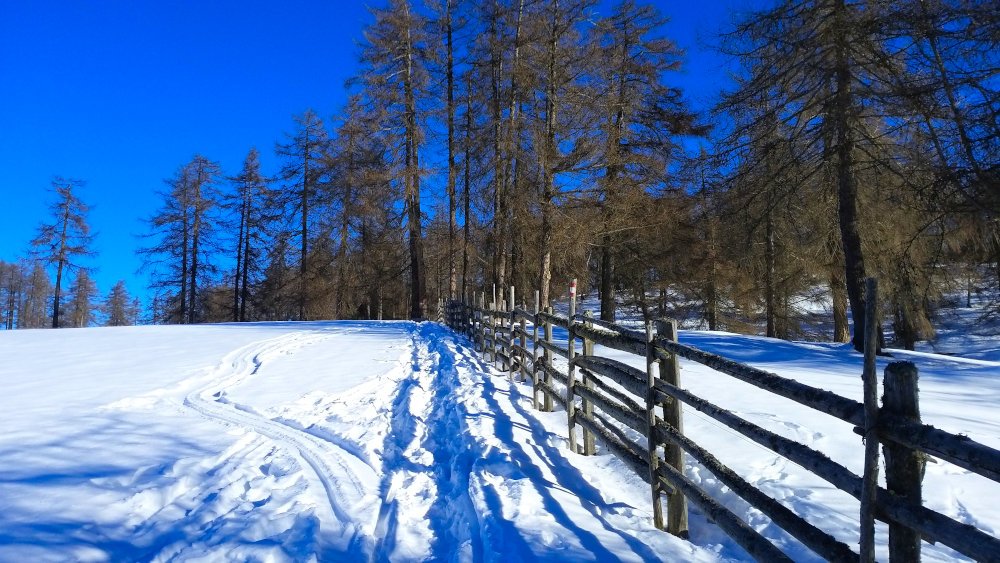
(393, 442)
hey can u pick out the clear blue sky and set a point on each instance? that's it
(120, 93)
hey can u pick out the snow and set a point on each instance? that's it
(393, 441)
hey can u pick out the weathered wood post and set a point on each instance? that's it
(571, 371)
(522, 363)
(547, 360)
(491, 315)
(652, 446)
(869, 379)
(482, 323)
(589, 445)
(510, 336)
(670, 372)
(904, 468)
(534, 355)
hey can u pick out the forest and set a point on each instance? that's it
(527, 143)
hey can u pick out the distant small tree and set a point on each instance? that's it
(11, 286)
(82, 293)
(32, 310)
(119, 308)
(66, 238)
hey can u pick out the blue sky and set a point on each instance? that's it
(120, 93)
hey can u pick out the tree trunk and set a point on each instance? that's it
(548, 168)
(847, 192)
(452, 227)
(303, 252)
(838, 290)
(418, 305)
(466, 196)
(607, 282)
(769, 259)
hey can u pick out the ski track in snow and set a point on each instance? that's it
(336, 468)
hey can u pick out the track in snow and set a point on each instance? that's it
(344, 478)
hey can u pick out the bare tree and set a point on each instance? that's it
(305, 154)
(394, 77)
(65, 238)
(82, 293)
(184, 234)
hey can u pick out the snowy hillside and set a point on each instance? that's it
(392, 441)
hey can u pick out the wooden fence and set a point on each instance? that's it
(604, 397)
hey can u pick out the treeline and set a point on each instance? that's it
(528, 143)
(28, 296)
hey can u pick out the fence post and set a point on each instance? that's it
(523, 352)
(904, 468)
(571, 372)
(589, 446)
(482, 322)
(670, 371)
(510, 336)
(870, 382)
(654, 458)
(534, 356)
(491, 315)
(547, 406)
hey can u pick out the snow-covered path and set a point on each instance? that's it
(295, 442)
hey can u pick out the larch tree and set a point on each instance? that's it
(393, 77)
(640, 117)
(249, 205)
(118, 306)
(82, 295)
(11, 286)
(304, 153)
(822, 64)
(184, 235)
(65, 238)
(557, 58)
(33, 309)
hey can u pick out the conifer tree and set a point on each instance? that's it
(82, 294)
(65, 238)
(119, 308)
(304, 170)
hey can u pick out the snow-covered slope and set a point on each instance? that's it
(329, 441)
(393, 442)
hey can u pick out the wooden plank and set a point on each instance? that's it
(623, 374)
(812, 537)
(932, 526)
(619, 447)
(755, 544)
(959, 450)
(628, 402)
(819, 399)
(551, 392)
(618, 341)
(615, 411)
(553, 373)
(551, 318)
(551, 347)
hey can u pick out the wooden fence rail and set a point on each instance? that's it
(605, 398)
